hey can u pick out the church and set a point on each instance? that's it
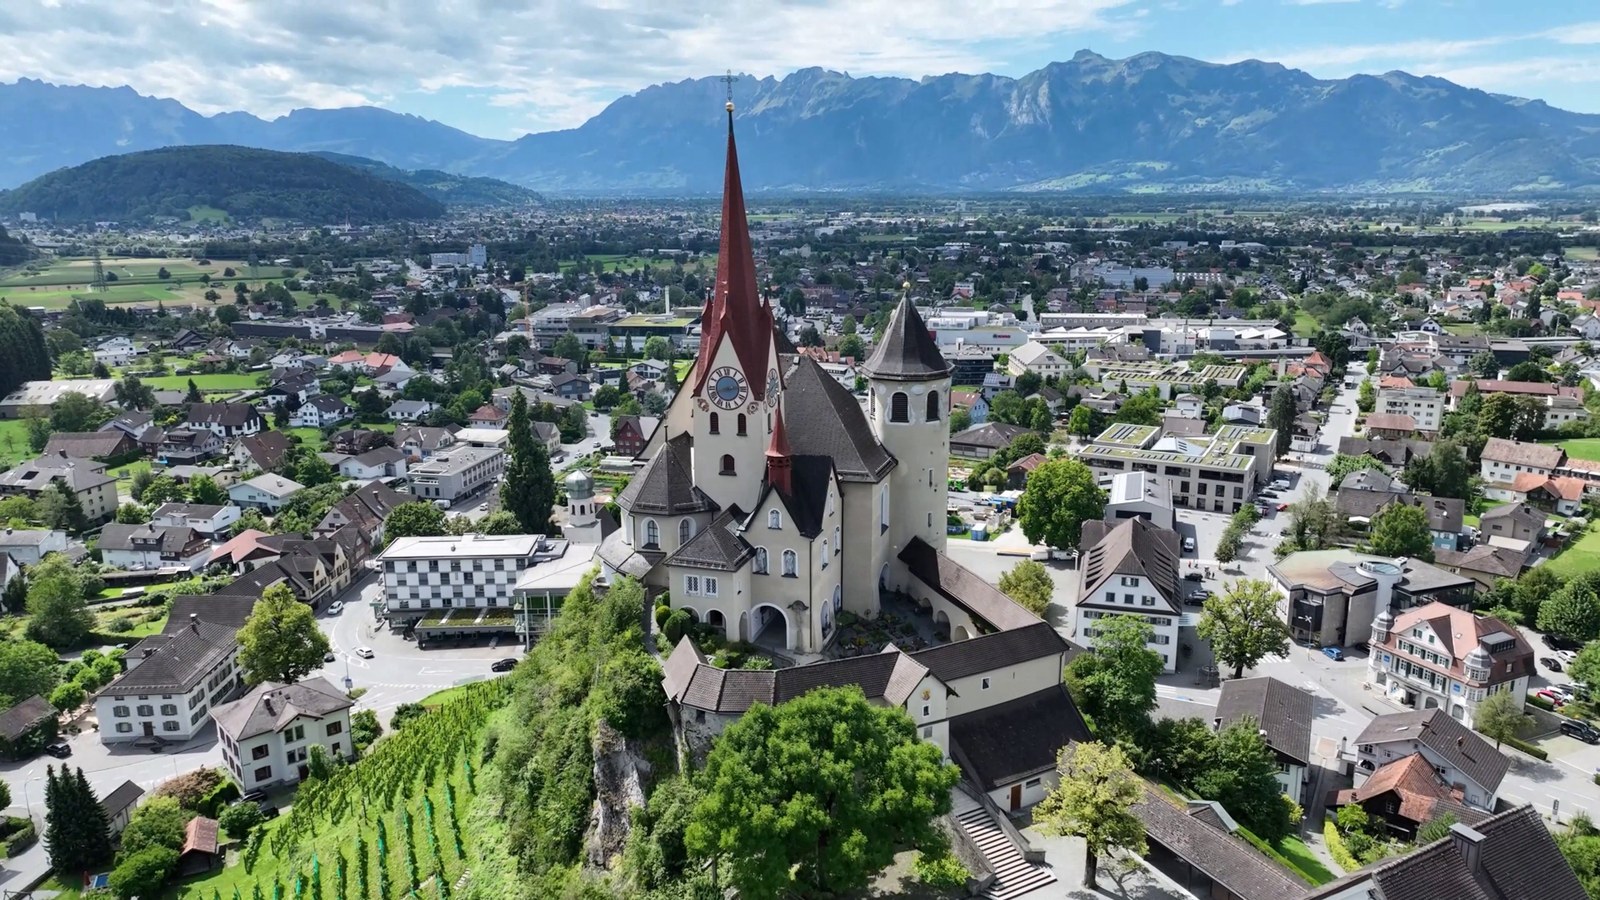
(769, 500)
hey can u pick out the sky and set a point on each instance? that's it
(502, 68)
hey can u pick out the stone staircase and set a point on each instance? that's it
(1014, 876)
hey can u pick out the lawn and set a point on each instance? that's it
(1582, 448)
(1306, 325)
(310, 437)
(14, 446)
(1296, 851)
(614, 262)
(203, 382)
(1582, 555)
(1588, 254)
(55, 284)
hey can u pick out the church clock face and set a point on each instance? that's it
(728, 387)
(772, 387)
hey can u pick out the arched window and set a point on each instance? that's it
(774, 519)
(837, 541)
(741, 425)
(933, 406)
(827, 619)
(727, 464)
(760, 564)
(652, 534)
(838, 598)
(883, 511)
(685, 531)
(825, 555)
(899, 407)
(716, 424)
(790, 563)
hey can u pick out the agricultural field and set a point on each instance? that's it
(611, 262)
(390, 824)
(53, 284)
(1586, 254)
(224, 382)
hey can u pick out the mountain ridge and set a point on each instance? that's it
(1149, 122)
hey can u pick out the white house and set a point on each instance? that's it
(1425, 406)
(1130, 569)
(28, 546)
(266, 492)
(115, 351)
(267, 734)
(323, 409)
(1037, 358)
(1138, 495)
(1463, 759)
(409, 410)
(175, 677)
(379, 462)
(214, 522)
(1438, 656)
(152, 546)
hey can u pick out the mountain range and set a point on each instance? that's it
(1148, 123)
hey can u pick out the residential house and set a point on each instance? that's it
(26, 727)
(1443, 657)
(379, 462)
(116, 351)
(488, 416)
(119, 806)
(154, 547)
(629, 434)
(320, 411)
(95, 491)
(1485, 563)
(212, 522)
(409, 410)
(570, 386)
(261, 452)
(1406, 794)
(27, 546)
(1282, 713)
(1502, 460)
(267, 734)
(225, 420)
(1017, 473)
(1562, 495)
(292, 390)
(186, 446)
(1364, 492)
(1037, 358)
(1520, 522)
(108, 447)
(365, 508)
(422, 441)
(1457, 754)
(352, 441)
(984, 441)
(1130, 568)
(266, 492)
(140, 427)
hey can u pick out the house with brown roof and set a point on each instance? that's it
(1017, 473)
(1514, 524)
(1503, 460)
(201, 851)
(1444, 657)
(1406, 794)
(1130, 568)
(1283, 715)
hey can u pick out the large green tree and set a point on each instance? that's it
(77, 835)
(1572, 612)
(1500, 716)
(1029, 584)
(158, 822)
(1280, 417)
(1243, 626)
(1400, 529)
(58, 603)
(1094, 800)
(418, 518)
(1062, 494)
(26, 668)
(1116, 684)
(1245, 781)
(280, 641)
(813, 798)
(529, 489)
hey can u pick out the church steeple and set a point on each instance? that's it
(780, 464)
(735, 311)
(907, 352)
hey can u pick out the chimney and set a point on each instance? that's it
(194, 621)
(1469, 844)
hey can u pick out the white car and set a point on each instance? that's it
(365, 652)
(336, 607)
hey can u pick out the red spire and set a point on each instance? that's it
(779, 465)
(735, 309)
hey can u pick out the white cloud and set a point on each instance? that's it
(548, 63)
(1344, 59)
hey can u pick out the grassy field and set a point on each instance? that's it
(55, 283)
(14, 442)
(1296, 851)
(1582, 448)
(203, 382)
(613, 262)
(1582, 555)
(1588, 254)
(1306, 325)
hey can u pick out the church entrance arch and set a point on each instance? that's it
(768, 626)
(941, 623)
(883, 578)
(715, 619)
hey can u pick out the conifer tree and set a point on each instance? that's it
(529, 490)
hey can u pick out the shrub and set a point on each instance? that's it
(757, 662)
(191, 788)
(240, 819)
(364, 728)
(1542, 703)
(120, 625)
(661, 615)
(1528, 748)
(67, 696)
(225, 793)
(21, 840)
(1336, 847)
(942, 872)
(676, 625)
(144, 873)
(404, 713)
(629, 694)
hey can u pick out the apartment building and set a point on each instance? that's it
(1218, 473)
(427, 575)
(1442, 657)
(1425, 406)
(456, 473)
(96, 491)
(1130, 569)
(267, 734)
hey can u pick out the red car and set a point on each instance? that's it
(1551, 696)
(1282, 507)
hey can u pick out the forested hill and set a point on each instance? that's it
(449, 189)
(12, 250)
(243, 182)
(23, 355)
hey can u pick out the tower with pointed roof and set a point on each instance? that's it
(908, 383)
(735, 383)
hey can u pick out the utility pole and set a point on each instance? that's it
(99, 273)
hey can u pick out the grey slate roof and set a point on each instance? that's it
(175, 661)
(1228, 860)
(807, 504)
(1016, 739)
(1457, 744)
(964, 588)
(1133, 547)
(219, 609)
(717, 546)
(86, 444)
(1283, 711)
(266, 448)
(991, 435)
(666, 484)
(826, 420)
(174, 538)
(1517, 860)
(271, 706)
(988, 652)
(20, 719)
(126, 795)
(689, 679)
(907, 352)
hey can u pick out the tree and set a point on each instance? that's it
(77, 834)
(15, 596)
(58, 603)
(418, 518)
(132, 514)
(1244, 779)
(1094, 800)
(193, 395)
(280, 641)
(1029, 584)
(143, 873)
(1444, 472)
(203, 489)
(134, 394)
(1116, 684)
(1572, 612)
(59, 508)
(529, 489)
(1484, 364)
(569, 346)
(784, 810)
(960, 420)
(1500, 716)
(1497, 415)
(67, 696)
(364, 728)
(1585, 669)
(1242, 625)
(162, 490)
(1435, 829)
(1281, 416)
(657, 347)
(78, 412)
(1343, 465)
(1081, 421)
(1400, 529)
(1062, 494)
(26, 668)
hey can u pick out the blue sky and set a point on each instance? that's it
(501, 68)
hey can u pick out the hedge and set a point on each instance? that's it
(22, 840)
(1256, 841)
(1528, 748)
(1336, 847)
(1542, 703)
(221, 795)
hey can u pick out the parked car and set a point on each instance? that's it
(336, 607)
(1188, 545)
(1551, 697)
(1566, 657)
(1551, 663)
(365, 652)
(58, 748)
(1282, 507)
(330, 656)
(503, 665)
(1333, 653)
(1198, 597)
(1583, 731)
(1556, 642)
(1193, 576)
(256, 796)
